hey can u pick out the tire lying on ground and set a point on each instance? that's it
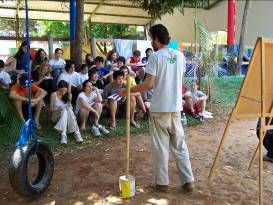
(18, 169)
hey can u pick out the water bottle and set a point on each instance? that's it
(184, 119)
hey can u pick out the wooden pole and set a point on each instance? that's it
(50, 47)
(262, 128)
(221, 144)
(254, 155)
(251, 162)
(128, 126)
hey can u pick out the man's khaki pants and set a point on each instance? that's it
(167, 133)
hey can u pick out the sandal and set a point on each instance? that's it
(112, 127)
(135, 125)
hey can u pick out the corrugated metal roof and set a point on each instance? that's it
(107, 11)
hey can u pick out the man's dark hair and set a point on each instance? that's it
(159, 31)
(69, 64)
(117, 73)
(122, 59)
(99, 59)
(2, 64)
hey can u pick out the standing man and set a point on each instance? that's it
(164, 71)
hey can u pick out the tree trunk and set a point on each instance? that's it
(77, 47)
(242, 37)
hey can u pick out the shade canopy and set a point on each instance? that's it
(101, 11)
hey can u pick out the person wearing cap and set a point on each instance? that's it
(19, 98)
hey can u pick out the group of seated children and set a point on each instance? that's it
(89, 89)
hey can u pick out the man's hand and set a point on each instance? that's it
(122, 92)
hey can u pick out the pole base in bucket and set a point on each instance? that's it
(127, 186)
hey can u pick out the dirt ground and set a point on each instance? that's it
(89, 174)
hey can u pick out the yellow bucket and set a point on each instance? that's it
(127, 186)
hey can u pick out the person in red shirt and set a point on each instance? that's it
(19, 98)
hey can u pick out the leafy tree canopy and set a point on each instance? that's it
(157, 8)
(61, 29)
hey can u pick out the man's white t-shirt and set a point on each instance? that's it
(4, 78)
(71, 78)
(88, 99)
(168, 66)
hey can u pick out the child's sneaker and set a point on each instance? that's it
(95, 131)
(78, 136)
(63, 138)
(103, 130)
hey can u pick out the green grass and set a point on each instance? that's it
(225, 93)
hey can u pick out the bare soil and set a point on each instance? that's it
(89, 174)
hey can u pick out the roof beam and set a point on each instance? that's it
(36, 19)
(106, 4)
(91, 13)
(97, 8)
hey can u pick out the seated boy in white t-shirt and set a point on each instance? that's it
(4, 76)
(195, 101)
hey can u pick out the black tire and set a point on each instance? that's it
(18, 169)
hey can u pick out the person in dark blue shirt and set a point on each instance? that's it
(268, 140)
(102, 71)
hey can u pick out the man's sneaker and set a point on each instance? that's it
(187, 188)
(63, 138)
(78, 136)
(95, 131)
(103, 130)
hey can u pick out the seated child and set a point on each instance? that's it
(4, 76)
(109, 91)
(89, 102)
(62, 114)
(19, 98)
(195, 101)
(135, 97)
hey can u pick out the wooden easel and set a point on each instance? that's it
(255, 99)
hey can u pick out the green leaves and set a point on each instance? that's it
(114, 31)
(157, 8)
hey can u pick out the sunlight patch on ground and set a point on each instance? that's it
(78, 203)
(113, 199)
(93, 196)
(158, 201)
(97, 200)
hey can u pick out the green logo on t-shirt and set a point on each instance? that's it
(171, 60)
